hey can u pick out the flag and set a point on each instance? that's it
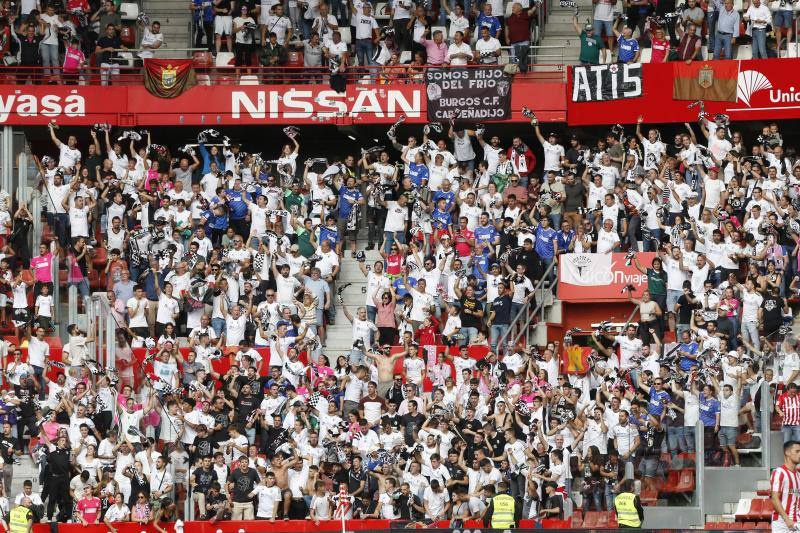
(575, 359)
(168, 78)
(713, 81)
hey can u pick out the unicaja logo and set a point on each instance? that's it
(750, 82)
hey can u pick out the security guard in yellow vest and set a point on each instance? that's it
(21, 518)
(504, 511)
(630, 512)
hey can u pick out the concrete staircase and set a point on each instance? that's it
(174, 16)
(560, 43)
(339, 338)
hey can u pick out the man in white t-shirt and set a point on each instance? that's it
(459, 52)
(487, 48)
(279, 24)
(553, 152)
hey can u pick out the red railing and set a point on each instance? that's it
(290, 74)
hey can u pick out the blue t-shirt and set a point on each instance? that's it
(709, 407)
(481, 260)
(545, 242)
(491, 22)
(213, 221)
(686, 363)
(658, 400)
(627, 49)
(486, 233)
(345, 206)
(563, 239)
(400, 287)
(207, 12)
(440, 219)
(418, 172)
(449, 196)
(236, 204)
(329, 234)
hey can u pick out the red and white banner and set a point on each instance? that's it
(599, 277)
(766, 89)
(219, 105)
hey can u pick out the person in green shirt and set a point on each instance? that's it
(305, 237)
(590, 43)
(293, 198)
(656, 283)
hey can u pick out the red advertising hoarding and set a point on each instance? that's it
(132, 105)
(766, 89)
(599, 277)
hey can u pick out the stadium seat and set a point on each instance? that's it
(129, 10)
(405, 56)
(673, 478)
(203, 59)
(442, 29)
(763, 525)
(100, 257)
(224, 59)
(592, 519)
(646, 54)
(743, 509)
(248, 80)
(686, 482)
(128, 36)
(744, 51)
(382, 11)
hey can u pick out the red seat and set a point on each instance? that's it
(743, 512)
(673, 478)
(611, 520)
(99, 258)
(203, 59)
(648, 496)
(763, 525)
(765, 507)
(686, 482)
(764, 492)
(128, 36)
(591, 519)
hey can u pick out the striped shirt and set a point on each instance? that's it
(787, 483)
(790, 406)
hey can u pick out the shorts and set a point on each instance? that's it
(782, 19)
(727, 436)
(223, 25)
(602, 27)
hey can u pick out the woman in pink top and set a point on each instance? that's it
(385, 303)
(73, 60)
(321, 370)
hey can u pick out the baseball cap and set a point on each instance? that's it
(294, 248)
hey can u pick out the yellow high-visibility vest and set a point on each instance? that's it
(627, 515)
(18, 519)
(503, 514)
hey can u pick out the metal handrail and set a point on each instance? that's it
(232, 75)
(526, 310)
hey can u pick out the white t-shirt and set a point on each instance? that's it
(167, 307)
(552, 156)
(78, 220)
(454, 48)
(268, 497)
(138, 319)
(751, 301)
(364, 26)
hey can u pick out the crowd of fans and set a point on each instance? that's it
(209, 254)
(679, 31)
(429, 33)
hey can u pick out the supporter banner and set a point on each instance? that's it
(600, 83)
(575, 359)
(220, 105)
(168, 78)
(705, 80)
(471, 94)
(599, 277)
(765, 90)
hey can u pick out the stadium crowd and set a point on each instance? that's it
(210, 254)
(687, 31)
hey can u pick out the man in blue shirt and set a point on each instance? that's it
(486, 232)
(349, 198)
(487, 20)
(204, 20)
(329, 231)
(447, 194)
(238, 208)
(546, 244)
(659, 398)
(216, 222)
(687, 351)
(628, 46)
(565, 236)
(709, 410)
